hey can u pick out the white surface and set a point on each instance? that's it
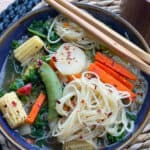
(4, 4)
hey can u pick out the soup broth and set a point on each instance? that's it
(68, 70)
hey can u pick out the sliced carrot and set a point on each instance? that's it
(115, 75)
(107, 78)
(52, 64)
(30, 141)
(35, 108)
(71, 77)
(66, 24)
(114, 65)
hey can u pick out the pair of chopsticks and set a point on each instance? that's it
(104, 34)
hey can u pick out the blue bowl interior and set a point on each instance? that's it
(110, 20)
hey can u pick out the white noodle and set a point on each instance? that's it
(73, 33)
(98, 110)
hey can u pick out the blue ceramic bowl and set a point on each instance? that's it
(118, 24)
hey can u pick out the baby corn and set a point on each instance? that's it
(76, 145)
(25, 51)
(12, 109)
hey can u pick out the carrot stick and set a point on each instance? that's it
(71, 77)
(52, 64)
(107, 78)
(35, 108)
(114, 65)
(115, 75)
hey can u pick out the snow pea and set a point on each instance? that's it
(53, 88)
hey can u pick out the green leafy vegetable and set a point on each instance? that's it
(45, 58)
(40, 125)
(53, 36)
(2, 92)
(54, 47)
(24, 99)
(39, 28)
(131, 116)
(103, 48)
(31, 75)
(15, 44)
(41, 122)
(90, 55)
(114, 139)
(16, 84)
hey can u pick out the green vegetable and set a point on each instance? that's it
(24, 99)
(16, 84)
(103, 48)
(131, 116)
(40, 125)
(106, 50)
(39, 28)
(31, 74)
(53, 36)
(53, 88)
(90, 55)
(46, 58)
(54, 47)
(114, 139)
(15, 44)
(2, 92)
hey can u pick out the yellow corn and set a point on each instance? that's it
(25, 51)
(77, 145)
(12, 109)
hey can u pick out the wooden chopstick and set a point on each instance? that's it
(100, 36)
(108, 31)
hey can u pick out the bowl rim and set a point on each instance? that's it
(95, 8)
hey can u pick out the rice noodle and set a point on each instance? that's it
(73, 33)
(97, 109)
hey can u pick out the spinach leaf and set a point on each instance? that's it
(41, 142)
(15, 44)
(40, 125)
(16, 84)
(31, 74)
(114, 139)
(131, 116)
(39, 28)
(54, 47)
(54, 36)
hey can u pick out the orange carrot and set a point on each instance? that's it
(114, 65)
(52, 64)
(71, 77)
(107, 78)
(35, 108)
(66, 24)
(29, 140)
(115, 75)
